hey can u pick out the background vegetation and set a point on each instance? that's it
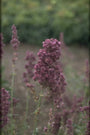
(37, 20)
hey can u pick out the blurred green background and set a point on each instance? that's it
(37, 20)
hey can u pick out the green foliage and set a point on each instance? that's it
(40, 19)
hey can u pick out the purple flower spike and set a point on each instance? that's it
(29, 66)
(15, 42)
(48, 70)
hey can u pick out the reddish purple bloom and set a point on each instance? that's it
(48, 71)
(45, 129)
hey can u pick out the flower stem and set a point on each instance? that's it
(12, 90)
(37, 112)
(27, 108)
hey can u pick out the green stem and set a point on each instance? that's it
(36, 115)
(61, 127)
(27, 104)
(12, 90)
(27, 108)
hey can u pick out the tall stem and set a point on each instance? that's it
(37, 111)
(27, 108)
(27, 103)
(12, 90)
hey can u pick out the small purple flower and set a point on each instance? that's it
(84, 108)
(45, 129)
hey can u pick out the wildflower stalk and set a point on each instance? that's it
(49, 74)
(15, 43)
(27, 76)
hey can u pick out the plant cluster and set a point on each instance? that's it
(66, 115)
